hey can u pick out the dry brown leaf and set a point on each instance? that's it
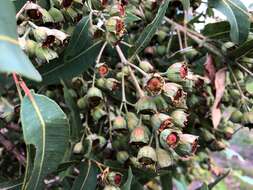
(220, 83)
(210, 68)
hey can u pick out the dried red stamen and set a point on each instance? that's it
(165, 124)
(49, 40)
(178, 95)
(103, 70)
(121, 10)
(66, 3)
(172, 139)
(117, 179)
(119, 26)
(183, 71)
(34, 14)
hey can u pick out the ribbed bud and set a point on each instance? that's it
(112, 84)
(122, 157)
(180, 118)
(98, 113)
(146, 66)
(164, 159)
(161, 121)
(119, 124)
(98, 142)
(247, 119)
(187, 146)
(147, 155)
(175, 92)
(114, 178)
(177, 72)
(146, 106)
(94, 96)
(139, 136)
(82, 102)
(153, 84)
(115, 25)
(132, 121)
(169, 138)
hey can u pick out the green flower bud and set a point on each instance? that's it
(161, 121)
(45, 54)
(217, 145)
(94, 96)
(187, 146)
(161, 104)
(110, 187)
(122, 157)
(115, 25)
(111, 84)
(117, 9)
(169, 138)
(161, 35)
(147, 155)
(78, 148)
(98, 142)
(180, 118)
(146, 66)
(177, 72)
(56, 14)
(82, 103)
(207, 135)
(236, 116)
(161, 50)
(146, 106)
(139, 136)
(39, 35)
(132, 121)
(174, 92)
(119, 124)
(77, 83)
(247, 119)
(164, 159)
(98, 113)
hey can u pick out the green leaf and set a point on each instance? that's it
(244, 49)
(11, 185)
(19, 4)
(87, 179)
(46, 127)
(127, 185)
(44, 3)
(186, 4)
(237, 15)
(217, 30)
(166, 181)
(131, 17)
(12, 58)
(249, 85)
(75, 120)
(149, 31)
(78, 57)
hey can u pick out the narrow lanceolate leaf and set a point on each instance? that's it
(149, 31)
(237, 15)
(78, 57)
(46, 127)
(87, 179)
(244, 49)
(12, 58)
(127, 185)
(166, 181)
(220, 83)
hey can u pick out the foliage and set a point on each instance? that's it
(122, 94)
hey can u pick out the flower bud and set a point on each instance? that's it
(247, 119)
(98, 113)
(98, 142)
(174, 92)
(161, 35)
(94, 96)
(82, 103)
(207, 135)
(103, 69)
(101, 82)
(119, 124)
(39, 35)
(154, 84)
(122, 156)
(236, 116)
(146, 66)
(147, 155)
(164, 159)
(132, 121)
(161, 104)
(228, 132)
(56, 14)
(177, 72)
(139, 136)
(78, 148)
(30, 47)
(180, 118)
(217, 145)
(161, 121)
(187, 146)
(45, 54)
(115, 25)
(145, 105)
(111, 84)
(114, 178)
(169, 138)
(77, 83)
(34, 11)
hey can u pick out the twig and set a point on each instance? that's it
(22, 9)
(138, 69)
(100, 53)
(16, 80)
(125, 62)
(245, 69)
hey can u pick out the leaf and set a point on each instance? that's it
(186, 4)
(237, 15)
(12, 58)
(19, 4)
(87, 179)
(166, 182)
(219, 179)
(244, 49)
(11, 185)
(220, 82)
(77, 58)
(127, 185)
(44, 3)
(149, 31)
(75, 120)
(131, 17)
(217, 30)
(47, 128)
(210, 68)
